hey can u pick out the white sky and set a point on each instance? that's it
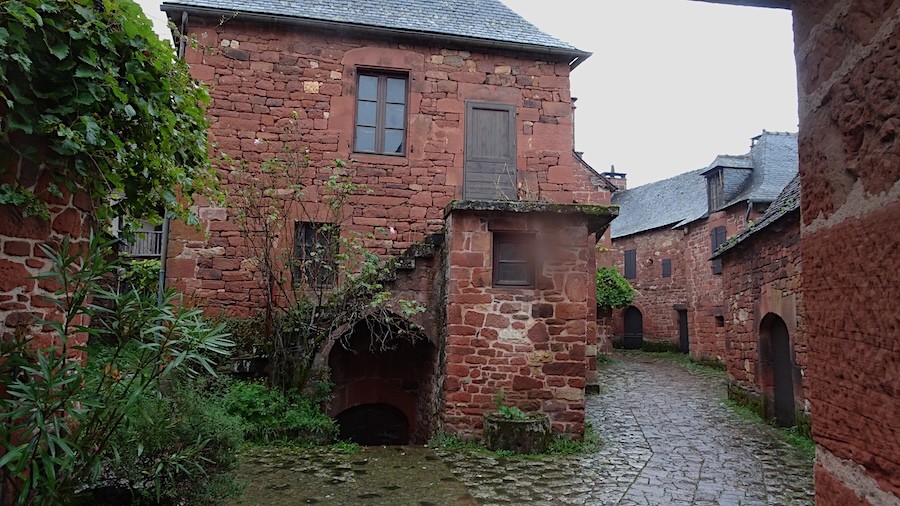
(671, 83)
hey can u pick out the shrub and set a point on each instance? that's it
(269, 414)
(613, 290)
(141, 276)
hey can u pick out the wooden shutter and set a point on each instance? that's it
(630, 264)
(718, 238)
(490, 152)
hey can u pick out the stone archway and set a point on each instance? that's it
(383, 394)
(634, 328)
(776, 375)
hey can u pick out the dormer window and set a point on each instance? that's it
(715, 190)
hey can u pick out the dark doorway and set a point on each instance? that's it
(634, 328)
(782, 374)
(683, 331)
(374, 424)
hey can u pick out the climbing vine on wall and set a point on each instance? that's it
(613, 290)
(89, 91)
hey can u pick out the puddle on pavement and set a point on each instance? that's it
(374, 475)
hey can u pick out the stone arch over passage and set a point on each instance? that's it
(384, 377)
(777, 370)
(634, 328)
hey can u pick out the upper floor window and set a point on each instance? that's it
(513, 261)
(667, 268)
(715, 190)
(630, 264)
(381, 114)
(718, 238)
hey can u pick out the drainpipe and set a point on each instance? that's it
(164, 251)
(749, 210)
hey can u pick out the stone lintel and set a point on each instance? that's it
(597, 217)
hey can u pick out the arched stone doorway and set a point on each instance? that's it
(383, 391)
(777, 370)
(634, 328)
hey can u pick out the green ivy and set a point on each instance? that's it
(613, 290)
(89, 90)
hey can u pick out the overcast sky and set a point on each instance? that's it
(671, 83)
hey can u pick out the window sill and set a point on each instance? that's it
(385, 159)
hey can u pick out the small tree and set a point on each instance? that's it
(613, 290)
(318, 293)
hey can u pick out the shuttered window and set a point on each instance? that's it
(490, 152)
(718, 238)
(630, 264)
(513, 261)
(667, 268)
(380, 114)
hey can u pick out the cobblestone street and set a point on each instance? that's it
(667, 439)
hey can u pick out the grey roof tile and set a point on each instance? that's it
(663, 203)
(479, 19)
(786, 202)
(682, 199)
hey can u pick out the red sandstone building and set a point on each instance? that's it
(667, 231)
(461, 131)
(766, 350)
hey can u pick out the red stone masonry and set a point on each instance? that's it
(531, 343)
(762, 276)
(848, 64)
(274, 87)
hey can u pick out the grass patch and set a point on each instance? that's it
(791, 435)
(707, 366)
(604, 360)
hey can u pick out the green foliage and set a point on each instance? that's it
(613, 290)
(141, 276)
(89, 89)
(271, 415)
(511, 413)
(60, 417)
(566, 446)
(180, 446)
(559, 445)
(793, 436)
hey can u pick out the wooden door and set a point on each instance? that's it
(490, 152)
(782, 374)
(683, 331)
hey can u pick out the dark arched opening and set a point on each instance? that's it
(634, 328)
(374, 424)
(384, 383)
(777, 370)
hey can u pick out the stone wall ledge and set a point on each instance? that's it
(597, 217)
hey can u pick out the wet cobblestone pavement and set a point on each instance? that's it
(667, 439)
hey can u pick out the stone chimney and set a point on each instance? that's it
(616, 178)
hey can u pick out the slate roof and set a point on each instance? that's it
(758, 176)
(475, 19)
(786, 203)
(663, 203)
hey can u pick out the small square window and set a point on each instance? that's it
(381, 114)
(315, 250)
(513, 261)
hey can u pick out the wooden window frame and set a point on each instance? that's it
(381, 111)
(630, 266)
(715, 189)
(526, 240)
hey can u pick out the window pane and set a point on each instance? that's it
(514, 274)
(395, 116)
(368, 88)
(512, 252)
(365, 113)
(365, 139)
(393, 141)
(396, 90)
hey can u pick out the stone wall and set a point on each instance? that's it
(656, 296)
(761, 276)
(848, 64)
(274, 87)
(21, 296)
(531, 343)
